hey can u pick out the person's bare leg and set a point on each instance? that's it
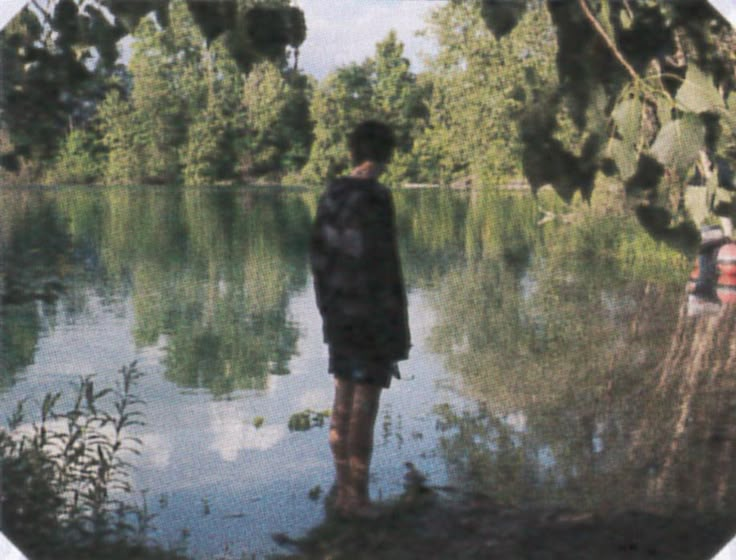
(360, 443)
(339, 437)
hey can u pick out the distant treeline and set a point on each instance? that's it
(183, 111)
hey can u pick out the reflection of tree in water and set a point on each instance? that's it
(35, 254)
(223, 308)
(431, 229)
(579, 406)
(36, 249)
(688, 430)
(210, 271)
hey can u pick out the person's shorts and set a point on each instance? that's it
(370, 372)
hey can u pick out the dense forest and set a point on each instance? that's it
(216, 96)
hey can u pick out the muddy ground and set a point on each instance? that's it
(474, 527)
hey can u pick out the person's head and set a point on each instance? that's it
(371, 141)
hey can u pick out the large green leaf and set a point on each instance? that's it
(696, 204)
(624, 155)
(501, 16)
(678, 143)
(698, 92)
(627, 116)
(664, 110)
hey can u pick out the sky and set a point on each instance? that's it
(339, 31)
(727, 8)
(344, 31)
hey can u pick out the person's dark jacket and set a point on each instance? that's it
(357, 274)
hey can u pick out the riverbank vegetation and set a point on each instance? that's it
(66, 475)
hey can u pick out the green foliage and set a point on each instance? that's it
(274, 136)
(480, 87)
(120, 136)
(307, 419)
(158, 105)
(66, 476)
(47, 78)
(203, 150)
(382, 87)
(663, 70)
(340, 102)
(192, 116)
(79, 160)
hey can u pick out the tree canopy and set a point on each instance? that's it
(647, 85)
(55, 62)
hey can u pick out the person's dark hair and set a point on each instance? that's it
(371, 140)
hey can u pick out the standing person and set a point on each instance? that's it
(362, 299)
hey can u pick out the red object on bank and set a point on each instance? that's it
(727, 273)
(693, 278)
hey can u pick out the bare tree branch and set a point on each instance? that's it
(606, 39)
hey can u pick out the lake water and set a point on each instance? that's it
(551, 365)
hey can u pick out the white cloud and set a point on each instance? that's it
(232, 432)
(8, 10)
(727, 8)
(344, 31)
(156, 450)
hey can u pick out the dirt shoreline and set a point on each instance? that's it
(431, 526)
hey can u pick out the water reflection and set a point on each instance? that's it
(35, 252)
(596, 390)
(589, 383)
(210, 275)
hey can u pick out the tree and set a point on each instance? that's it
(660, 74)
(203, 149)
(479, 87)
(80, 159)
(382, 87)
(119, 130)
(275, 130)
(46, 77)
(398, 101)
(158, 105)
(341, 101)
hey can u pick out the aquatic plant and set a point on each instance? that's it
(65, 476)
(307, 419)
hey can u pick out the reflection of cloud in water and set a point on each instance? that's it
(316, 399)
(157, 450)
(231, 434)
